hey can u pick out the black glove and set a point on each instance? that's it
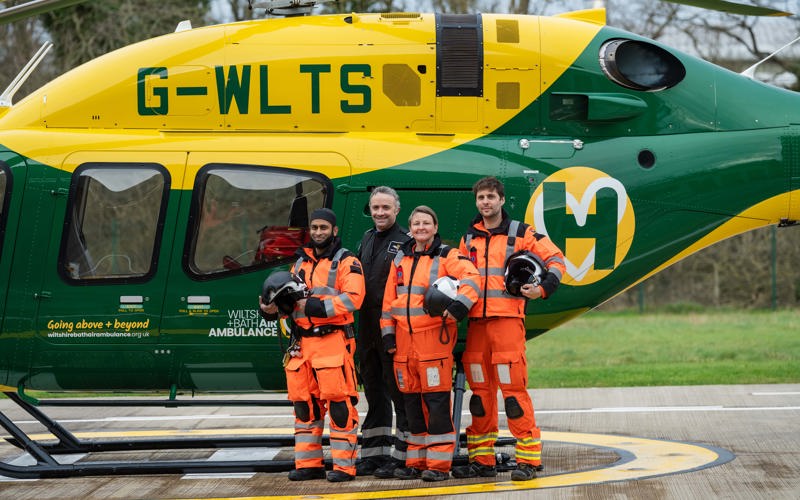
(315, 308)
(458, 310)
(389, 342)
(549, 282)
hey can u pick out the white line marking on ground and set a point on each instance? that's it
(619, 409)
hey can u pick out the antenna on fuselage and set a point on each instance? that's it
(751, 71)
(8, 94)
(288, 8)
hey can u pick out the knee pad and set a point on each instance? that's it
(414, 414)
(340, 413)
(476, 406)
(439, 418)
(513, 409)
(301, 411)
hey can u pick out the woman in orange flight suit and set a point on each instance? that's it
(423, 345)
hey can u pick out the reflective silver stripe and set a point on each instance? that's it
(557, 272)
(403, 290)
(299, 313)
(329, 310)
(316, 424)
(464, 300)
(335, 264)
(398, 258)
(402, 435)
(513, 228)
(308, 455)
(434, 274)
(554, 258)
(421, 440)
(438, 455)
(297, 265)
(386, 315)
(398, 454)
(325, 290)
(344, 462)
(418, 453)
(414, 311)
(387, 330)
(348, 303)
(307, 438)
(472, 285)
(450, 437)
(492, 271)
(342, 445)
(467, 241)
(376, 431)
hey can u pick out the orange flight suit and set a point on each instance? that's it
(322, 378)
(495, 352)
(423, 362)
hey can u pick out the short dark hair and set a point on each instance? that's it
(489, 183)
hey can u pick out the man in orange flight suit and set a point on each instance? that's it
(495, 352)
(321, 375)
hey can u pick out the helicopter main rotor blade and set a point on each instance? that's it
(33, 8)
(732, 7)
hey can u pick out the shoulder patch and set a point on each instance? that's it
(394, 247)
(356, 269)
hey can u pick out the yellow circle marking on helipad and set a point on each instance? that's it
(651, 457)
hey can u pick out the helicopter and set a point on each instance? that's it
(145, 195)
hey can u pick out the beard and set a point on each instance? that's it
(322, 244)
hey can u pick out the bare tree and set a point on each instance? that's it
(90, 29)
(21, 40)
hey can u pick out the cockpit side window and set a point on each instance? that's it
(640, 65)
(114, 220)
(247, 217)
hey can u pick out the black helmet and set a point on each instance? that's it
(284, 289)
(522, 267)
(439, 296)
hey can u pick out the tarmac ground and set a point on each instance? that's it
(734, 441)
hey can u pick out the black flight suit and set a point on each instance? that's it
(376, 252)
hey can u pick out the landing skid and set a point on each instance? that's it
(47, 466)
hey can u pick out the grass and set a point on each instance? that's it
(682, 347)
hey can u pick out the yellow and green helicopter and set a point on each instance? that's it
(145, 195)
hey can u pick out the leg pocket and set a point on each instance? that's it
(436, 372)
(329, 371)
(406, 380)
(475, 369)
(298, 380)
(512, 370)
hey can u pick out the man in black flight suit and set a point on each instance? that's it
(376, 252)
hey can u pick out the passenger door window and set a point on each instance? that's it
(246, 217)
(114, 222)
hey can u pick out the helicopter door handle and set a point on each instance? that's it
(44, 294)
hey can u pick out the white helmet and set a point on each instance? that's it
(439, 296)
(522, 267)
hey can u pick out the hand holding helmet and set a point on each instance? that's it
(524, 270)
(284, 290)
(440, 297)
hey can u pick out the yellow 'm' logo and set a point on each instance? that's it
(589, 216)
